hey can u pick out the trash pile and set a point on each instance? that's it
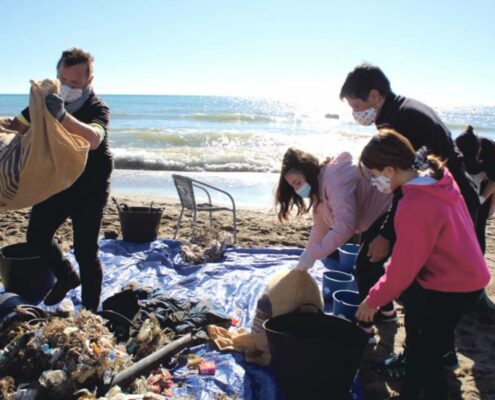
(65, 355)
(207, 245)
(61, 354)
(147, 318)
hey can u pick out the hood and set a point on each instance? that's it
(340, 165)
(445, 189)
(344, 158)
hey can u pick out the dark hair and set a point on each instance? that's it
(76, 56)
(390, 149)
(362, 79)
(487, 157)
(285, 196)
(469, 145)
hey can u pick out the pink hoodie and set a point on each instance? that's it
(349, 204)
(436, 244)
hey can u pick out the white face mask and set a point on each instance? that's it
(382, 183)
(365, 117)
(304, 190)
(368, 116)
(69, 94)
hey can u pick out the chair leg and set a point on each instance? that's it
(235, 227)
(178, 222)
(193, 222)
(211, 220)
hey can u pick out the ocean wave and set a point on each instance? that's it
(231, 117)
(156, 165)
(167, 138)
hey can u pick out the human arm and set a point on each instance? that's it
(489, 195)
(378, 249)
(305, 261)
(6, 122)
(13, 124)
(93, 133)
(365, 313)
(337, 209)
(417, 225)
(488, 191)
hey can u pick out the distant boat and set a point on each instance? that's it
(332, 116)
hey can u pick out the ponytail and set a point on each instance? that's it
(390, 149)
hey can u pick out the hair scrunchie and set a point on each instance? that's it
(420, 162)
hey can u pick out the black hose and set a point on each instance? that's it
(126, 376)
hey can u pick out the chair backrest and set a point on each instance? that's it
(185, 190)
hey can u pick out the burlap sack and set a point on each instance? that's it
(44, 161)
(285, 292)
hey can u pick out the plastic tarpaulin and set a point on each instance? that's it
(233, 285)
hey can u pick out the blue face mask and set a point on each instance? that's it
(304, 190)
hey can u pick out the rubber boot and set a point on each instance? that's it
(67, 279)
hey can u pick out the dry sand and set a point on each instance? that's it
(260, 228)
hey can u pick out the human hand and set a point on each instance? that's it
(378, 249)
(305, 262)
(55, 104)
(365, 313)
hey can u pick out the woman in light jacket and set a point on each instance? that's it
(343, 200)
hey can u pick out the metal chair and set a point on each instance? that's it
(186, 189)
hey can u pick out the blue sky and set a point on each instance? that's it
(440, 52)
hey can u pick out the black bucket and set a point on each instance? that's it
(314, 355)
(25, 273)
(140, 224)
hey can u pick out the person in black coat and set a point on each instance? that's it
(479, 158)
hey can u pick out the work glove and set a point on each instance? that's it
(305, 262)
(55, 105)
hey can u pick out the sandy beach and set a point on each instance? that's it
(260, 228)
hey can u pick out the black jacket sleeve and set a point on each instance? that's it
(387, 230)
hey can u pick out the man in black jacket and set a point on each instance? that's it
(82, 113)
(367, 91)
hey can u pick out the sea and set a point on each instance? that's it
(234, 143)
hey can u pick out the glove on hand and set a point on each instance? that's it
(305, 262)
(55, 105)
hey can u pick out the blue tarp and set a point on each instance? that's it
(233, 285)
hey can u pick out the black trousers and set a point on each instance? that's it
(85, 208)
(367, 272)
(430, 321)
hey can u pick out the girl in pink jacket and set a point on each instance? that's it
(343, 201)
(436, 264)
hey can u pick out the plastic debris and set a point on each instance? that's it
(66, 308)
(78, 348)
(54, 385)
(208, 245)
(160, 381)
(7, 386)
(207, 368)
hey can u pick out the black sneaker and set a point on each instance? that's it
(393, 367)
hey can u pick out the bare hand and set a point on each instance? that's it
(365, 313)
(378, 249)
(305, 262)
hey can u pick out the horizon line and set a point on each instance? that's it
(242, 96)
